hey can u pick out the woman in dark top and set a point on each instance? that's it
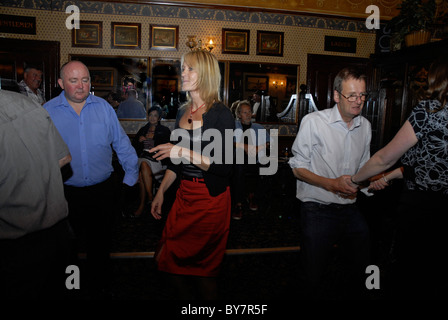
(149, 136)
(421, 145)
(195, 236)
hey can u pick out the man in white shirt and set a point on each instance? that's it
(332, 145)
(29, 86)
(256, 99)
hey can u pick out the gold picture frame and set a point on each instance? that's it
(89, 35)
(164, 38)
(235, 41)
(126, 35)
(270, 43)
(102, 76)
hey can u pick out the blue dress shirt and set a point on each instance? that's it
(90, 137)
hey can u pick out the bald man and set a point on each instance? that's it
(90, 127)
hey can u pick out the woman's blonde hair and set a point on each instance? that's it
(209, 76)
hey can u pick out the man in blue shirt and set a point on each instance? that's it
(131, 108)
(90, 128)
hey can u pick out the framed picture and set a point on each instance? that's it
(102, 77)
(126, 35)
(270, 43)
(291, 85)
(166, 85)
(255, 82)
(235, 41)
(89, 35)
(163, 37)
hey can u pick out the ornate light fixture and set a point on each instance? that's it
(197, 45)
(277, 83)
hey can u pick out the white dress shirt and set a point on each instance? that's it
(327, 147)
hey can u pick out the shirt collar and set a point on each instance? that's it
(335, 116)
(28, 89)
(64, 101)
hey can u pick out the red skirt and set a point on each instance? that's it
(195, 236)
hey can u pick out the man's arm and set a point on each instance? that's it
(338, 185)
(65, 160)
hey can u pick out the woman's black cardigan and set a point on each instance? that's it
(217, 177)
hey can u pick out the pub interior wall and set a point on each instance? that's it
(302, 34)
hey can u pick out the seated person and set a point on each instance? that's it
(254, 140)
(149, 136)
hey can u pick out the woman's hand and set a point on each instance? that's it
(156, 206)
(157, 202)
(166, 150)
(379, 184)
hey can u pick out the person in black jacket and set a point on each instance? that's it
(197, 227)
(149, 136)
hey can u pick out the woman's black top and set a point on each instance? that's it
(189, 169)
(217, 177)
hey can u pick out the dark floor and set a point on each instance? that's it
(263, 273)
(271, 271)
(263, 259)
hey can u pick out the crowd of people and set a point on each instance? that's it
(56, 182)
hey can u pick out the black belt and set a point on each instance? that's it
(194, 179)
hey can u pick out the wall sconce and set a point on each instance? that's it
(211, 44)
(191, 43)
(197, 45)
(277, 83)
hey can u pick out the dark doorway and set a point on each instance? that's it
(16, 53)
(321, 71)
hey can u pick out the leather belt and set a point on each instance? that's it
(193, 179)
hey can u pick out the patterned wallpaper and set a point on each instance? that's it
(302, 34)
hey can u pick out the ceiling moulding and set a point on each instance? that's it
(342, 8)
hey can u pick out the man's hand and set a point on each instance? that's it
(343, 187)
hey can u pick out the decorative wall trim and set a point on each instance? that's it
(162, 11)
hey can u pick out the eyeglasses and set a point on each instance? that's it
(354, 97)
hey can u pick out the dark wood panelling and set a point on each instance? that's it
(15, 53)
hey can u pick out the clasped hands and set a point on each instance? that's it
(344, 188)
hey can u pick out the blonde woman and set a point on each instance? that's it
(195, 235)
